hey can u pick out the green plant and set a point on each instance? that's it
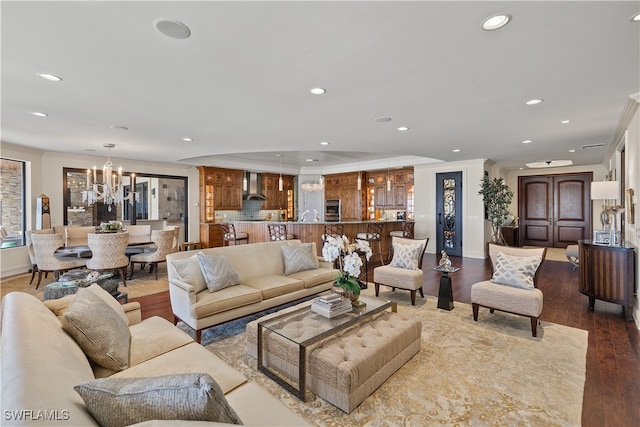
(497, 198)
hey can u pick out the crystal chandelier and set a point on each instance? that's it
(111, 190)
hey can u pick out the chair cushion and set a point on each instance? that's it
(217, 271)
(515, 271)
(98, 329)
(298, 258)
(189, 271)
(507, 298)
(406, 255)
(126, 401)
(401, 278)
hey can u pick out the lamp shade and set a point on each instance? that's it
(605, 190)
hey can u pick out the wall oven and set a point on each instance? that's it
(332, 211)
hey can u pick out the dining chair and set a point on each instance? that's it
(163, 240)
(32, 254)
(44, 248)
(373, 234)
(77, 235)
(279, 232)
(137, 233)
(229, 234)
(108, 252)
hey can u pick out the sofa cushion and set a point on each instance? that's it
(318, 276)
(274, 285)
(120, 402)
(217, 271)
(189, 271)
(98, 329)
(406, 255)
(298, 258)
(516, 271)
(209, 303)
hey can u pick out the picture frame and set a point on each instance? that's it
(630, 214)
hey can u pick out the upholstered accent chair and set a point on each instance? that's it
(108, 252)
(406, 232)
(78, 235)
(405, 269)
(513, 285)
(229, 234)
(164, 241)
(136, 233)
(44, 248)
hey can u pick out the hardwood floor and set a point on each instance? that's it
(612, 387)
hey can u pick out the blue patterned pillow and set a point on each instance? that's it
(516, 271)
(217, 271)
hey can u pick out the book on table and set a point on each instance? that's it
(331, 306)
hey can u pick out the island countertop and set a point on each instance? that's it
(313, 231)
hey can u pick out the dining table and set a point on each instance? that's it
(80, 247)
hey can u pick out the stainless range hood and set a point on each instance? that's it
(254, 187)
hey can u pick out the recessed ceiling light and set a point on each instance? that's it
(310, 160)
(403, 128)
(572, 151)
(564, 122)
(324, 143)
(318, 91)
(635, 18)
(172, 28)
(534, 101)
(39, 114)
(50, 77)
(456, 150)
(527, 141)
(187, 139)
(118, 127)
(382, 119)
(496, 21)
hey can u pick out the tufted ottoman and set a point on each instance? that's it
(345, 368)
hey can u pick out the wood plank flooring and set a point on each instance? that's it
(612, 387)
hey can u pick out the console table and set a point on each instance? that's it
(608, 273)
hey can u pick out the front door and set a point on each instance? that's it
(554, 210)
(449, 213)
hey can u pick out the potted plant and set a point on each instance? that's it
(349, 262)
(497, 197)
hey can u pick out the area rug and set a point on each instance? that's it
(490, 372)
(142, 284)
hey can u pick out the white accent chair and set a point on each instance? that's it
(509, 299)
(108, 252)
(402, 278)
(44, 248)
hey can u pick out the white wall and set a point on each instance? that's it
(46, 177)
(473, 225)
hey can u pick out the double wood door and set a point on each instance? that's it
(554, 210)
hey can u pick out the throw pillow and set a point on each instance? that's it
(98, 329)
(217, 271)
(516, 271)
(406, 255)
(110, 301)
(189, 271)
(119, 402)
(298, 258)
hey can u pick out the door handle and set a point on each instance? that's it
(440, 218)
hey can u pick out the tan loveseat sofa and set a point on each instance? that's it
(41, 364)
(261, 268)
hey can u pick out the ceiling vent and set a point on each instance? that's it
(590, 146)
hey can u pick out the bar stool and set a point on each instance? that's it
(373, 234)
(333, 230)
(406, 232)
(229, 235)
(279, 232)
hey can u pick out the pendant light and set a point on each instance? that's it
(388, 178)
(359, 178)
(244, 181)
(280, 179)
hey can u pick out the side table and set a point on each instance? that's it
(445, 293)
(57, 290)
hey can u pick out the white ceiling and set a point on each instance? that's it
(239, 85)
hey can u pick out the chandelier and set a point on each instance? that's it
(110, 191)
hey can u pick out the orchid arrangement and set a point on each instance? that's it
(349, 261)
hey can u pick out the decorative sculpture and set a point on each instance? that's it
(445, 261)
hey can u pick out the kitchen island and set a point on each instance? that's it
(313, 231)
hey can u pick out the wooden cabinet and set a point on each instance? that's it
(608, 273)
(220, 189)
(380, 196)
(276, 199)
(511, 236)
(210, 235)
(344, 187)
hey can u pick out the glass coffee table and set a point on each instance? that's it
(325, 328)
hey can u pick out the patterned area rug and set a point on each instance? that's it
(490, 372)
(142, 284)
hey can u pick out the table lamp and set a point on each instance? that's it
(608, 192)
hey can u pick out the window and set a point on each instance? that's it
(12, 202)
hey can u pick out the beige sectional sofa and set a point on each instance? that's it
(41, 363)
(267, 278)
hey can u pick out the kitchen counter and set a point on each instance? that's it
(313, 231)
